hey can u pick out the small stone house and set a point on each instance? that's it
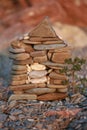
(37, 59)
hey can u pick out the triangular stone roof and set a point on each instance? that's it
(44, 30)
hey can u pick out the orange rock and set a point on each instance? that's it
(52, 96)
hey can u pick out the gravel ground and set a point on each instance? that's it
(68, 114)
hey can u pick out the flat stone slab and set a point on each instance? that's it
(56, 86)
(55, 81)
(30, 42)
(43, 39)
(19, 67)
(19, 77)
(52, 96)
(39, 80)
(39, 91)
(37, 74)
(18, 72)
(49, 63)
(16, 82)
(22, 56)
(48, 47)
(53, 42)
(37, 66)
(23, 87)
(38, 53)
(22, 97)
(16, 50)
(23, 62)
(64, 90)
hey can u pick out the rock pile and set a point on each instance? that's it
(37, 59)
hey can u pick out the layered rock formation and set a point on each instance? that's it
(37, 59)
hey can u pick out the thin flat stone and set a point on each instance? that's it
(61, 50)
(19, 77)
(20, 82)
(64, 90)
(39, 80)
(18, 92)
(23, 87)
(23, 62)
(23, 97)
(47, 47)
(37, 74)
(30, 42)
(53, 42)
(44, 29)
(43, 39)
(55, 81)
(16, 50)
(39, 91)
(52, 96)
(18, 72)
(19, 67)
(38, 53)
(37, 66)
(56, 86)
(49, 63)
(22, 56)
(40, 59)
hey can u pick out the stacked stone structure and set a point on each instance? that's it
(37, 59)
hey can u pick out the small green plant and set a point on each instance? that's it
(71, 68)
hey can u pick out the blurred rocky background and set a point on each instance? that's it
(68, 17)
